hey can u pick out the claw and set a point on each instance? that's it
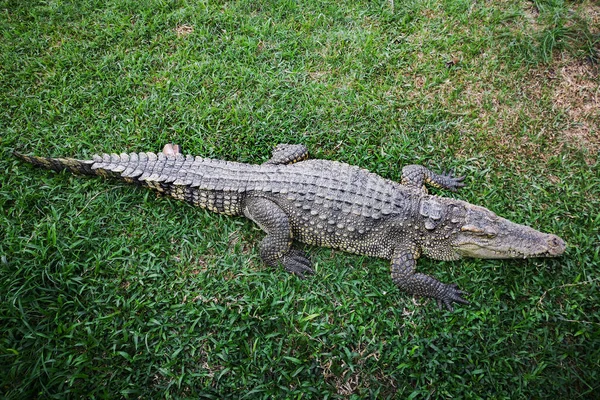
(302, 261)
(452, 295)
(449, 181)
(298, 274)
(296, 253)
(444, 303)
(296, 262)
(299, 256)
(298, 269)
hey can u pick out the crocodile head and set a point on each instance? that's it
(483, 234)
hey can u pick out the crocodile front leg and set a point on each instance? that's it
(406, 278)
(275, 247)
(417, 176)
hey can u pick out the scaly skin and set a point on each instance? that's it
(327, 203)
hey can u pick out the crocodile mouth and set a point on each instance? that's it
(486, 235)
(549, 246)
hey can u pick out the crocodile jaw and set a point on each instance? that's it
(486, 235)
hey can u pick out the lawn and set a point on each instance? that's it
(110, 291)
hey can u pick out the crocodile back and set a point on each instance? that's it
(338, 205)
(327, 201)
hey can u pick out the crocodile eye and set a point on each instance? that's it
(471, 228)
(484, 232)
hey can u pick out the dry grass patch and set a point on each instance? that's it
(354, 377)
(533, 114)
(184, 30)
(577, 94)
(501, 113)
(591, 10)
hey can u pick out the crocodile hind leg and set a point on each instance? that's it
(417, 176)
(406, 278)
(288, 154)
(275, 247)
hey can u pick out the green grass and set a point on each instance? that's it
(109, 291)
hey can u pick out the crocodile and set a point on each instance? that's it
(331, 204)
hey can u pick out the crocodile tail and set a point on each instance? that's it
(82, 167)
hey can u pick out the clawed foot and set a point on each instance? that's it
(296, 262)
(452, 182)
(451, 294)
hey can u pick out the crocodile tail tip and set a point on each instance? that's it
(58, 164)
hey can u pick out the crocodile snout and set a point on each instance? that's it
(556, 246)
